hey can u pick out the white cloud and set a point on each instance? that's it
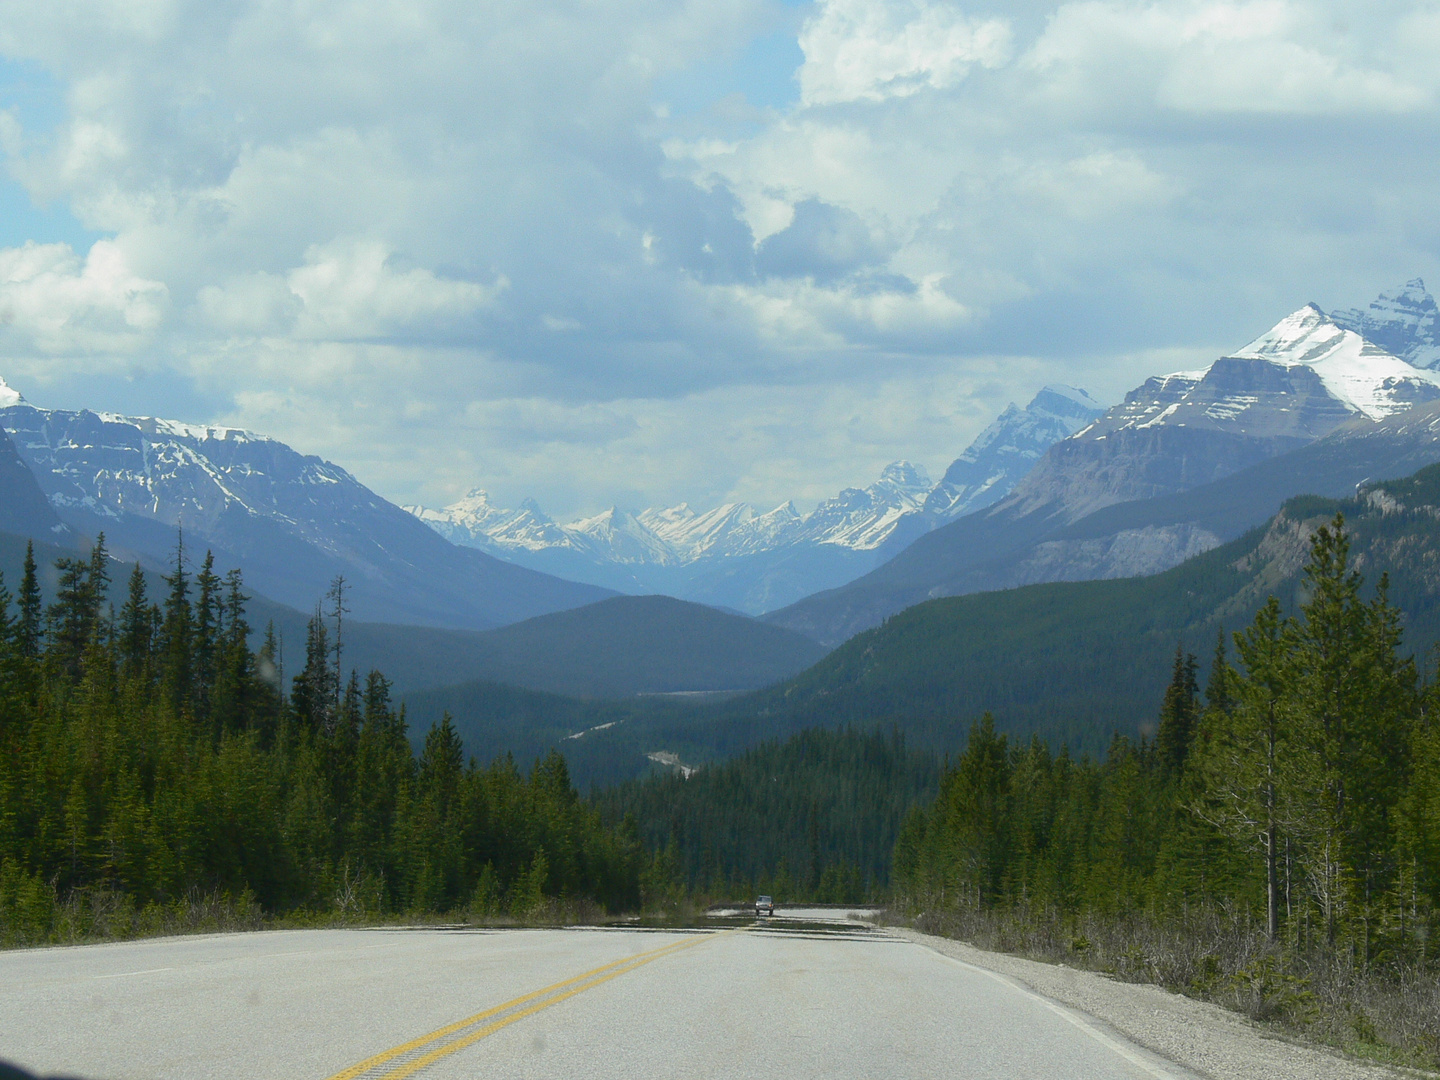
(350, 290)
(1261, 56)
(874, 49)
(449, 243)
(53, 302)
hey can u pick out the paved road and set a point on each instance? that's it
(792, 997)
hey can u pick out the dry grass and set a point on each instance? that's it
(1387, 1012)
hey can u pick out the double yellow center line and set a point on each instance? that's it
(408, 1059)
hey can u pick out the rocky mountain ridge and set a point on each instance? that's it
(1405, 322)
(293, 522)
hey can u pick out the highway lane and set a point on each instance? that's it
(792, 997)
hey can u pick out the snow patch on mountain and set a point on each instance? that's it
(619, 537)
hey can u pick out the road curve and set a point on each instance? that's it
(788, 997)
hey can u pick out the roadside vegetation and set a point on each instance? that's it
(156, 777)
(1272, 844)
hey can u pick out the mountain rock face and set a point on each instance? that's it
(738, 557)
(1113, 499)
(1008, 449)
(292, 522)
(1404, 322)
(24, 510)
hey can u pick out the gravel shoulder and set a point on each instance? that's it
(1201, 1037)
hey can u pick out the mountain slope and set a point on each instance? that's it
(1171, 437)
(1070, 661)
(292, 522)
(643, 645)
(1075, 661)
(23, 506)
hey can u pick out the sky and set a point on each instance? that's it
(637, 253)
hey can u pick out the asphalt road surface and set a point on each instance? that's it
(803, 995)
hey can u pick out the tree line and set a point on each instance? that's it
(813, 817)
(1300, 790)
(149, 755)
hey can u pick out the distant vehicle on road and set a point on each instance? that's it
(764, 906)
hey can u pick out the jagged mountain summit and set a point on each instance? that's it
(739, 557)
(293, 522)
(1405, 322)
(1304, 380)
(1006, 450)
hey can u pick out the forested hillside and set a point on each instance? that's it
(149, 757)
(1075, 662)
(811, 818)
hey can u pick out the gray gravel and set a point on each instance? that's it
(1205, 1038)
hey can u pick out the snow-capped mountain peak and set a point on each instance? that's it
(691, 535)
(9, 395)
(1006, 450)
(1405, 322)
(474, 521)
(622, 538)
(1360, 374)
(863, 519)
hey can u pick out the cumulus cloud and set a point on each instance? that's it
(55, 303)
(452, 243)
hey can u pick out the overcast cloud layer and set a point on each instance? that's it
(640, 252)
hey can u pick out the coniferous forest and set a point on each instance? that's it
(1275, 844)
(812, 818)
(154, 773)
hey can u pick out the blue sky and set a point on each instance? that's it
(646, 252)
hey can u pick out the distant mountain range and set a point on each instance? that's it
(1308, 406)
(739, 557)
(292, 522)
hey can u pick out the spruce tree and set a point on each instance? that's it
(1178, 716)
(30, 629)
(137, 628)
(175, 647)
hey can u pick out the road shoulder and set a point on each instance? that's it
(1196, 1035)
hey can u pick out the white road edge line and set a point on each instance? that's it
(127, 974)
(1070, 1017)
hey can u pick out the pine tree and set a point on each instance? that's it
(31, 629)
(74, 617)
(1179, 714)
(209, 614)
(175, 645)
(137, 629)
(313, 695)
